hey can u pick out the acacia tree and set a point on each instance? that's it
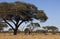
(29, 29)
(19, 12)
(52, 28)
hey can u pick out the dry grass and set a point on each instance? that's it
(23, 36)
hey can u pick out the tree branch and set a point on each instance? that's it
(8, 23)
(13, 21)
(17, 23)
(20, 23)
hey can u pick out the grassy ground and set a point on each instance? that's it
(32, 36)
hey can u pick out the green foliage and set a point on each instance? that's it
(24, 10)
(2, 25)
(41, 15)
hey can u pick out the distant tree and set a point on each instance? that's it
(2, 26)
(27, 31)
(19, 12)
(1, 29)
(32, 26)
(52, 29)
(10, 30)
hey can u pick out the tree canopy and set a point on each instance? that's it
(52, 29)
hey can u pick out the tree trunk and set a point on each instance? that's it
(16, 28)
(15, 31)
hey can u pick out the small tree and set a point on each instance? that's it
(52, 29)
(2, 26)
(10, 30)
(32, 26)
(27, 31)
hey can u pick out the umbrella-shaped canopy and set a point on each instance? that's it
(34, 24)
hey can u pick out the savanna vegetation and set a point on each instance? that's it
(20, 12)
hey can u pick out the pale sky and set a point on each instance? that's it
(50, 7)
